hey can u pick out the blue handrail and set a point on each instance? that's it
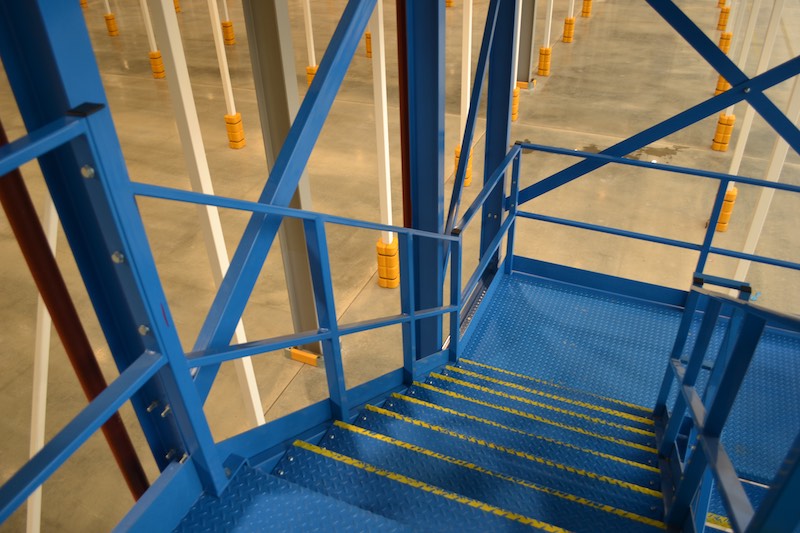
(708, 412)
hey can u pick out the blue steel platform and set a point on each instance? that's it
(616, 346)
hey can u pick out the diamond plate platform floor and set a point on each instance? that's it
(617, 347)
(256, 501)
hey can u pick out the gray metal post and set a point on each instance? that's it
(275, 77)
(527, 47)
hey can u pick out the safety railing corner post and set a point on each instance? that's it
(513, 202)
(405, 249)
(319, 263)
(455, 297)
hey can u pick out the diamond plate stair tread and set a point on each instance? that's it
(514, 465)
(643, 472)
(594, 424)
(554, 388)
(477, 485)
(561, 399)
(255, 501)
(418, 509)
(590, 340)
(511, 420)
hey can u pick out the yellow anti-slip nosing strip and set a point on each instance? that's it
(527, 484)
(430, 488)
(537, 418)
(524, 455)
(498, 425)
(556, 385)
(585, 405)
(582, 416)
(718, 521)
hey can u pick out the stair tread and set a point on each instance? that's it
(535, 468)
(591, 422)
(563, 398)
(533, 423)
(418, 505)
(453, 474)
(639, 471)
(556, 388)
(256, 501)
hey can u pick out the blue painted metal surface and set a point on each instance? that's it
(709, 414)
(256, 501)
(498, 128)
(247, 261)
(425, 27)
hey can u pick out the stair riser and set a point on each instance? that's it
(561, 479)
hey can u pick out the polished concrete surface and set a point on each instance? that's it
(625, 71)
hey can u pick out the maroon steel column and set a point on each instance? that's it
(30, 236)
(402, 77)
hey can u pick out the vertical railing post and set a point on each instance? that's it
(455, 297)
(712, 225)
(690, 376)
(405, 249)
(513, 200)
(779, 510)
(319, 262)
(689, 311)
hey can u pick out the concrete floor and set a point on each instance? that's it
(625, 71)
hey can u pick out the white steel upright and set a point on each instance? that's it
(200, 177)
(763, 62)
(776, 161)
(312, 57)
(466, 65)
(548, 24)
(148, 26)
(571, 9)
(517, 23)
(381, 119)
(222, 58)
(41, 361)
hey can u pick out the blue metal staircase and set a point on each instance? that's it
(493, 451)
(562, 400)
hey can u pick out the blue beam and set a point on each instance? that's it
(51, 68)
(17, 489)
(779, 510)
(426, 53)
(37, 143)
(667, 127)
(248, 260)
(498, 125)
(715, 57)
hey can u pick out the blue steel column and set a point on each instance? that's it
(498, 122)
(426, 27)
(50, 65)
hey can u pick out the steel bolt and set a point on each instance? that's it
(166, 411)
(143, 330)
(170, 455)
(227, 472)
(291, 458)
(118, 258)
(184, 458)
(332, 436)
(152, 406)
(280, 472)
(87, 172)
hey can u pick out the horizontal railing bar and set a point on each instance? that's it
(772, 318)
(168, 193)
(660, 166)
(488, 188)
(611, 231)
(39, 142)
(229, 353)
(36, 471)
(755, 258)
(375, 323)
(215, 357)
(486, 259)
